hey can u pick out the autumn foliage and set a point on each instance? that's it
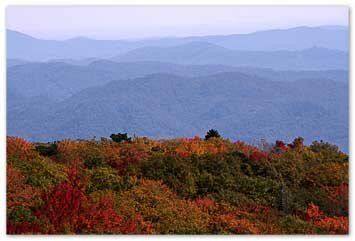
(178, 186)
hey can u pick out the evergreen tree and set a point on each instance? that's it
(212, 133)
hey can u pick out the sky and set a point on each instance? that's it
(137, 22)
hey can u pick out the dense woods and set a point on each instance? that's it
(176, 186)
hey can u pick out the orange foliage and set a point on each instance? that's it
(197, 146)
(19, 193)
(229, 222)
(206, 204)
(18, 148)
(127, 154)
(250, 151)
(111, 152)
(137, 225)
(334, 225)
(313, 212)
(68, 150)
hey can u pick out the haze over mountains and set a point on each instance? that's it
(275, 84)
(25, 47)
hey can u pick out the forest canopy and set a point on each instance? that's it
(177, 186)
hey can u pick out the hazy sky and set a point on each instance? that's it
(115, 22)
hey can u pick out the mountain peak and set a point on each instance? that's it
(13, 34)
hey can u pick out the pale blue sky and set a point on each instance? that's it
(122, 22)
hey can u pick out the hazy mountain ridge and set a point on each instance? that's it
(197, 53)
(165, 105)
(25, 47)
(61, 80)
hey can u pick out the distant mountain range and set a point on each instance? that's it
(275, 84)
(165, 105)
(59, 80)
(22, 46)
(206, 53)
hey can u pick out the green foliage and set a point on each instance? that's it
(293, 225)
(94, 162)
(42, 172)
(175, 172)
(261, 190)
(47, 150)
(327, 152)
(301, 197)
(119, 137)
(104, 178)
(21, 214)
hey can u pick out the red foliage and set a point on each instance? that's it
(250, 151)
(205, 203)
(137, 225)
(280, 146)
(63, 204)
(69, 210)
(257, 156)
(100, 217)
(23, 228)
(313, 212)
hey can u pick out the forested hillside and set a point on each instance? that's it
(175, 186)
(48, 102)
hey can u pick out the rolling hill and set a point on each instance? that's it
(59, 80)
(203, 53)
(164, 105)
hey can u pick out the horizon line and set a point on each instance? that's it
(173, 37)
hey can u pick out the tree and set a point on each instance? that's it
(47, 150)
(212, 133)
(161, 207)
(119, 137)
(19, 193)
(63, 204)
